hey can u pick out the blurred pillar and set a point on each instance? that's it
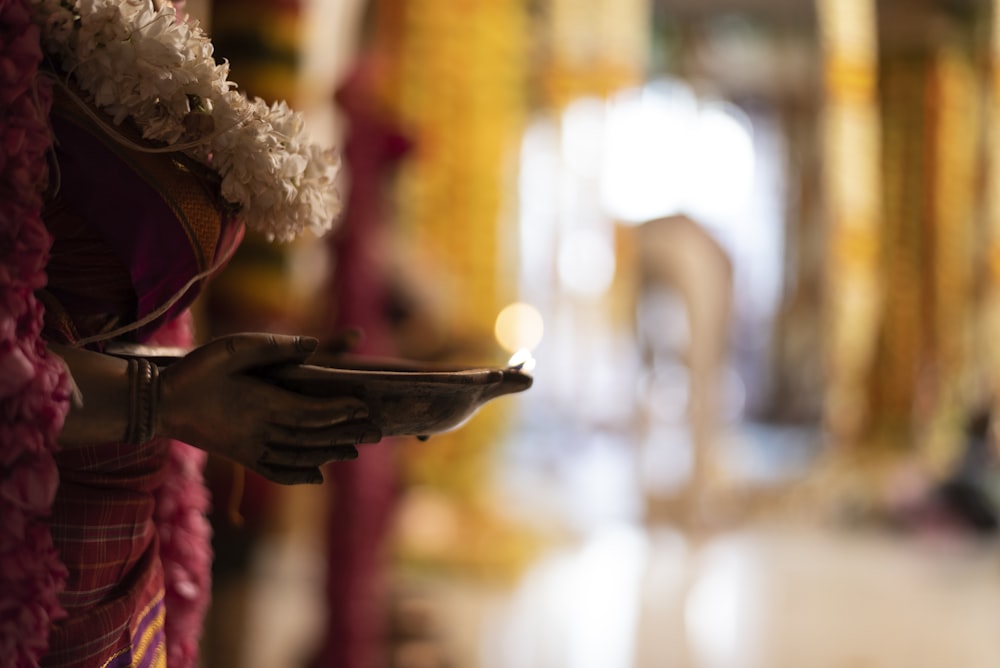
(920, 394)
(991, 237)
(903, 199)
(945, 398)
(852, 196)
(907, 216)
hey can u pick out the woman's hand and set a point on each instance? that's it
(212, 400)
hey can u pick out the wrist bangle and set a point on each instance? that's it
(144, 396)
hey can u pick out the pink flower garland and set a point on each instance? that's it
(34, 386)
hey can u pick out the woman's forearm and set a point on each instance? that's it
(213, 399)
(103, 385)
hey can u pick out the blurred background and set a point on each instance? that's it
(750, 250)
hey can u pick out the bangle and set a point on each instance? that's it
(144, 397)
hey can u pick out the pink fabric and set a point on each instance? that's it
(160, 244)
(34, 388)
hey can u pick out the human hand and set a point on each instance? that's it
(212, 400)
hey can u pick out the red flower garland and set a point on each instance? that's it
(34, 386)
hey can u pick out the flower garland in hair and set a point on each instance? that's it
(138, 62)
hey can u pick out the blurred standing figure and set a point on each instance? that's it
(677, 255)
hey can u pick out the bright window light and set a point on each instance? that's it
(667, 153)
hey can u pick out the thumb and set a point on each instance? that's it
(248, 351)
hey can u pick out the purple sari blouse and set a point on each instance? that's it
(135, 233)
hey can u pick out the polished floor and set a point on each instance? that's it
(619, 589)
(765, 597)
(776, 590)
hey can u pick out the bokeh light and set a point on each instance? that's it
(519, 326)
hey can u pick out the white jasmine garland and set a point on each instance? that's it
(142, 63)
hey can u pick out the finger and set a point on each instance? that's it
(290, 475)
(299, 411)
(292, 457)
(251, 350)
(321, 417)
(349, 433)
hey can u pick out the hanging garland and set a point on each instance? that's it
(34, 388)
(459, 92)
(461, 95)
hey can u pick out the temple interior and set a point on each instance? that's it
(747, 250)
